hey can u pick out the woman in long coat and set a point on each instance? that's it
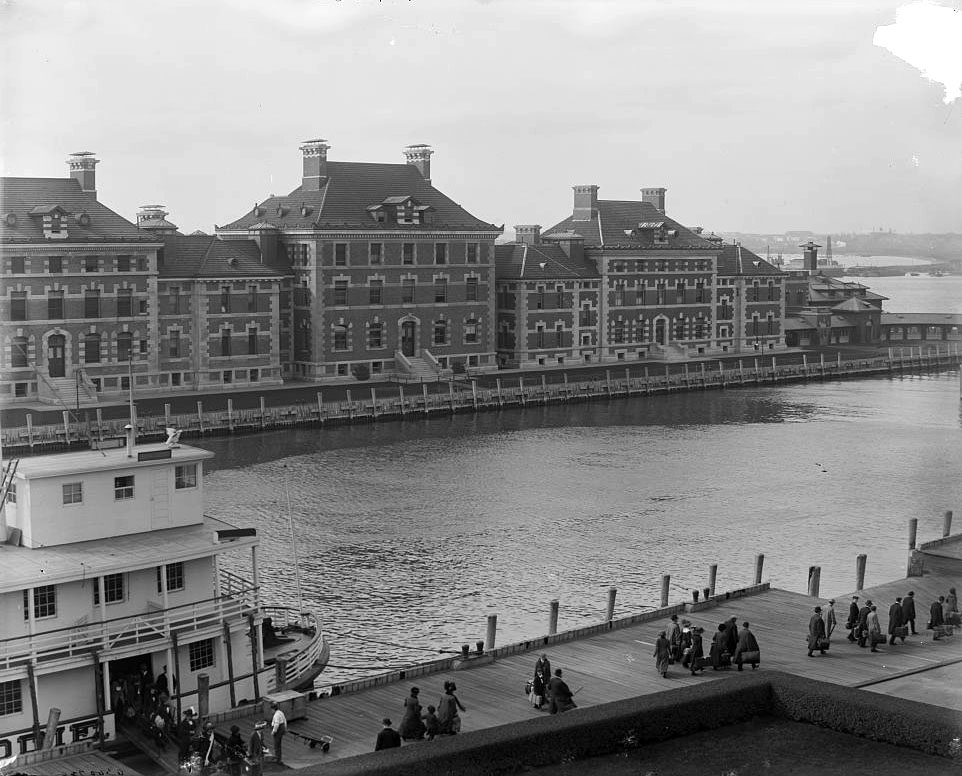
(448, 706)
(952, 600)
(662, 654)
(542, 674)
(697, 649)
(874, 629)
(412, 727)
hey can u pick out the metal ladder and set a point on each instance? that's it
(7, 482)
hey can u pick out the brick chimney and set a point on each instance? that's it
(82, 164)
(586, 202)
(315, 164)
(656, 197)
(420, 156)
(529, 234)
(810, 256)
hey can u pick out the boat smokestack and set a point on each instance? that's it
(129, 429)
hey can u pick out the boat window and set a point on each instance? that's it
(185, 476)
(123, 487)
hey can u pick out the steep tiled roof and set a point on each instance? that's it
(736, 260)
(350, 189)
(20, 197)
(207, 256)
(854, 305)
(517, 261)
(615, 218)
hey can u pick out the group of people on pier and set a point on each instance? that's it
(865, 628)
(419, 724)
(681, 642)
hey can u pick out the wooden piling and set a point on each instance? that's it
(489, 637)
(712, 574)
(451, 395)
(759, 565)
(280, 673)
(230, 415)
(374, 402)
(264, 411)
(166, 415)
(553, 618)
(50, 734)
(203, 694)
(424, 394)
(200, 416)
(665, 582)
(612, 593)
(860, 571)
(947, 523)
(913, 532)
(814, 580)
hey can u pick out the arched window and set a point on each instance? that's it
(340, 338)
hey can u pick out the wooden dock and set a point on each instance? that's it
(618, 664)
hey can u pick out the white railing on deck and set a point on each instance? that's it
(301, 661)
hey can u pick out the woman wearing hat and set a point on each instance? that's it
(448, 706)
(697, 650)
(411, 727)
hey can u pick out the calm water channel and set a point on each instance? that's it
(413, 532)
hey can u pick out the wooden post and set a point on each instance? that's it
(612, 593)
(200, 416)
(821, 357)
(255, 636)
(712, 573)
(280, 673)
(492, 632)
(860, 571)
(665, 582)
(451, 395)
(805, 363)
(687, 377)
(176, 684)
(264, 409)
(947, 523)
(814, 580)
(553, 618)
(608, 382)
(544, 389)
(350, 404)
(474, 393)
(424, 394)
(400, 391)
(759, 565)
(99, 694)
(524, 401)
(66, 427)
(50, 734)
(497, 383)
(374, 402)
(32, 686)
(627, 381)
(166, 416)
(230, 414)
(230, 665)
(30, 429)
(758, 376)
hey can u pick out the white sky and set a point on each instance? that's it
(757, 115)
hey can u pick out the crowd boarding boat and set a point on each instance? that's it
(112, 576)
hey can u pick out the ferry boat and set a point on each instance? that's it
(111, 575)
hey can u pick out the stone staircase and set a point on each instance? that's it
(670, 352)
(421, 370)
(66, 392)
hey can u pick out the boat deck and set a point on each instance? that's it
(92, 762)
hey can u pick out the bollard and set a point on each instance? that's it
(759, 565)
(612, 592)
(814, 580)
(479, 647)
(712, 573)
(694, 596)
(466, 650)
(947, 523)
(665, 582)
(553, 619)
(492, 631)
(203, 693)
(860, 571)
(50, 735)
(705, 592)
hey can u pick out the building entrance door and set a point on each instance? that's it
(55, 355)
(407, 338)
(660, 331)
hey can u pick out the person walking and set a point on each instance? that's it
(255, 748)
(432, 726)
(863, 614)
(542, 675)
(718, 642)
(935, 618)
(448, 707)
(234, 751)
(562, 699)
(908, 611)
(747, 651)
(952, 600)
(874, 628)
(412, 727)
(829, 616)
(662, 654)
(186, 731)
(388, 738)
(697, 650)
(852, 623)
(674, 640)
(278, 731)
(895, 620)
(731, 636)
(816, 632)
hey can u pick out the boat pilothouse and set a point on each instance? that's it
(110, 576)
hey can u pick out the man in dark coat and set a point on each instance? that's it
(935, 617)
(908, 611)
(863, 623)
(731, 636)
(895, 619)
(746, 643)
(816, 632)
(388, 738)
(852, 619)
(561, 696)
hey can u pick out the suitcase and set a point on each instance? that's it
(943, 631)
(900, 631)
(953, 618)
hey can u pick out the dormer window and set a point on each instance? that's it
(661, 235)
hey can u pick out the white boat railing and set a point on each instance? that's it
(300, 660)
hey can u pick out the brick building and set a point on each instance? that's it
(750, 309)
(390, 275)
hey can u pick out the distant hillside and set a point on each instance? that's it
(944, 247)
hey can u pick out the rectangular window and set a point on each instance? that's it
(252, 299)
(55, 265)
(17, 265)
(440, 253)
(55, 305)
(91, 264)
(440, 333)
(374, 253)
(174, 343)
(340, 292)
(123, 487)
(375, 335)
(375, 291)
(73, 493)
(471, 253)
(225, 342)
(471, 332)
(201, 654)
(440, 290)
(125, 343)
(377, 367)
(227, 376)
(175, 304)
(340, 254)
(175, 577)
(44, 602)
(18, 305)
(125, 302)
(407, 291)
(471, 290)
(185, 476)
(407, 253)
(91, 304)
(113, 589)
(225, 299)
(340, 338)
(539, 337)
(123, 263)
(11, 697)
(252, 341)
